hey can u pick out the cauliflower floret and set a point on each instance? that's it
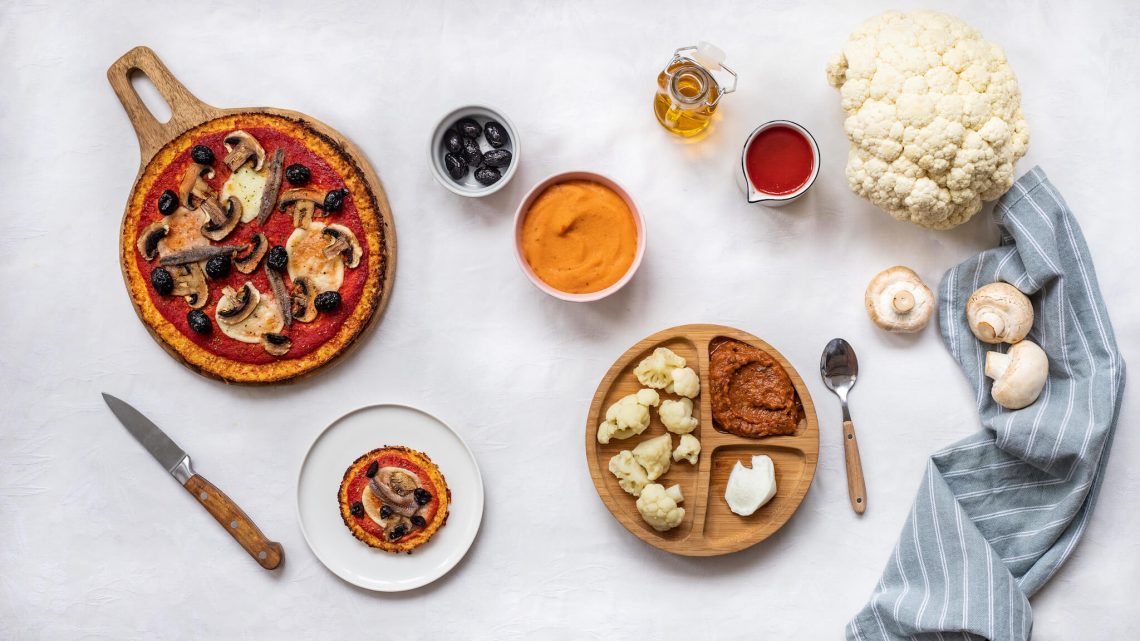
(653, 455)
(689, 448)
(933, 114)
(678, 416)
(658, 506)
(656, 369)
(631, 476)
(629, 416)
(685, 382)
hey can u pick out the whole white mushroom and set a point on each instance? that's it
(898, 301)
(1019, 375)
(999, 313)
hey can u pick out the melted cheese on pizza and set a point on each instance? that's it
(265, 318)
(248, 185)
(185, 231)
(307, 258)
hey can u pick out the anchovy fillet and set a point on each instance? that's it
(272, 186)
(284, 301)
(196, 254)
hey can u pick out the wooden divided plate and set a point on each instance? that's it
(709, 527)
(289, 137)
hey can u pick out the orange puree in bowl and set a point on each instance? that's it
(579, 237)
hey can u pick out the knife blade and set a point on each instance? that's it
(176, 461)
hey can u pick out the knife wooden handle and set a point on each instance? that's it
(268, 554)
(856, 489)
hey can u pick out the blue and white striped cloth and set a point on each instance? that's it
(999, 512)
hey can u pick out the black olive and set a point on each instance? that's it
(456, 166)
(334, 200)
(162, 281)
(202, 155)
(277, 259)
(357, 509)
(452, 142)
(397, 532)
(385, 511)
(487, 175)
(167, 203)
(199, 321)
(471, 152)
(422, 496)
(372, 469)
(327, 301)
(468, 128)
(419, 521)
(497, 158)
(298, 174)
(495, 134)
(218, 267)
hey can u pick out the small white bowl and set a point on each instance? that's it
(776, 200)
(468, 186)
(524, 207)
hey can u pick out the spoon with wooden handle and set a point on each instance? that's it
(839, 367)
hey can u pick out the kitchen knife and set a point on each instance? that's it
(176, 461)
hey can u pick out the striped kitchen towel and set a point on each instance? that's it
(1000, 511)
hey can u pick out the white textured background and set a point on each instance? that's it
(97, 543)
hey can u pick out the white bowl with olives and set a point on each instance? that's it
(474, 151)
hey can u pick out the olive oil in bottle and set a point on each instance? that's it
(687, 92)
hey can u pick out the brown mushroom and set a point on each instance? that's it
(222, 220)
(243, 148)
(194, 189)
(304, 293)
(302, 204)
(246, 261)
(236, 305)
(190, 283)
(342, 241)
(148, 239)
(276, 344)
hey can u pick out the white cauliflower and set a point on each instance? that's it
(688, 449)
(933, 115)
(656, 369)
(685, 382)
(631, 476)
(653, 455)
(629, 416)
(658, 506)
(678, 416)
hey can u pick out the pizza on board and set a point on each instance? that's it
(254, 248)
(394, 498)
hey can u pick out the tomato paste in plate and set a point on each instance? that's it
(779, 160)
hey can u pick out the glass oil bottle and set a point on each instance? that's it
(688, 93)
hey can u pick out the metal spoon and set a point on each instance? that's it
(839, 367)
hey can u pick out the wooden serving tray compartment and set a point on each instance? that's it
(709, 527)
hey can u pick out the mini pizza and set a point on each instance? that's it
(254, 248)
(394, 498)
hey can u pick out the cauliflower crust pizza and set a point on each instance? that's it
(394, 498)
(254, 248)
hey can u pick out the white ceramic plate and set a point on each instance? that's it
(323, 468)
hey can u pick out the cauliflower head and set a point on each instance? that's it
(658, 506)
(688, 449)
(656, 369)
(933, 115)
(629, 416)
(685, 382)
(653, 455)
(678, 416)
(631, 476)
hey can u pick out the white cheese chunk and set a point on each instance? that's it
(750, 488)
(306, 249)
(265, 318)
(248, 185)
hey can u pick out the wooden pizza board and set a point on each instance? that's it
(188, 112)
(709, 527)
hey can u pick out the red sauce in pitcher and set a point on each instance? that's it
(779, 160)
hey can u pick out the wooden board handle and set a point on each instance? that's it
(856, 489)
(268, 554)
(185, 110)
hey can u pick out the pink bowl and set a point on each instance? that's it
(524, 207)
